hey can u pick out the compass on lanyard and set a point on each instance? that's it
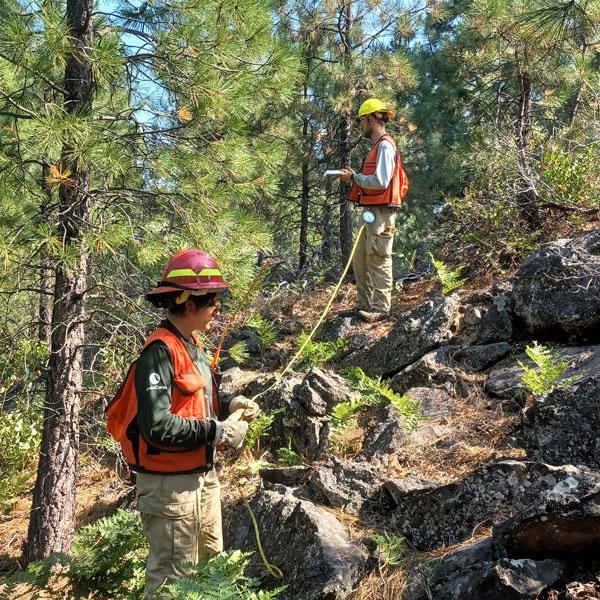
(368, 216)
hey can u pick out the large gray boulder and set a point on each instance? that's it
(387, 437)
(481, 570)
(310, 546)
(496, 323)
(419, 331)
(562, 427)
(563, 522)
(507, 579)
(556, 293)
(478, 358)
(431, 370)
(450, 513)
(308, 432)
(344, 484)
(320, 391)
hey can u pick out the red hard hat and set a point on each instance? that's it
(190, 270)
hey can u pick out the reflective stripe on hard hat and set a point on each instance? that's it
(190, 273)
(374, 105)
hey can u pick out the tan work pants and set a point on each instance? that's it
(182, 522)
(373, 261)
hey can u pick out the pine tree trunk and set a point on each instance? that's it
(46, 276)
(526, 198)
(52, 519)
(345, 217)
(305, 187)
(345, 150)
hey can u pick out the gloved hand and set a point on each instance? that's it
(251, 409)
(232, 433)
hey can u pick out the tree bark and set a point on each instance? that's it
(527, 197)
(46, 276)
(345, 150)
(305, 200)
(52, 518)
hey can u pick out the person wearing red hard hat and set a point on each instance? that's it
(169, 420)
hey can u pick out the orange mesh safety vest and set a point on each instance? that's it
(395, 191)
(187, 401)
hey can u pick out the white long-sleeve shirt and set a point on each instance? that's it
(384, 169)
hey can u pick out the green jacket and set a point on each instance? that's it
(156, 422)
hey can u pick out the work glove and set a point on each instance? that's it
(251, 409)
(231, 433)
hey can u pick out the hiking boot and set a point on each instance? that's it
(372, 317)
(350, 312)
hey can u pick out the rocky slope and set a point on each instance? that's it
(498, 489)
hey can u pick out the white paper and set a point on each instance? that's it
(332, 172)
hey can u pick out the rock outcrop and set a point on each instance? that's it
(556, 292)
(344, 484)
(562, 427)
(450, 513)
(419, 331)
(317, 556)
(563, 522)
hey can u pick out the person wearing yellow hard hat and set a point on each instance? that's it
(380, 187)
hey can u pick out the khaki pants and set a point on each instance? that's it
(373, 261)
(182, 522)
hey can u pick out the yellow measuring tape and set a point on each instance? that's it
(322, 317)
(272, 569)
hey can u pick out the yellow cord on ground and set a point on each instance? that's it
(323, 315)
(273, 570)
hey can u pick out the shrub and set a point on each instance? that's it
(20, 432)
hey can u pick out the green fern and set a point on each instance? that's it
(549, 374)
(392, 548)
(36, 574)
(265, 331)
(287, 456)
(239, 352)
(450, 278)
(221, 578)
(110, 555)
(374, 391)
(316, 354)
(261, 426)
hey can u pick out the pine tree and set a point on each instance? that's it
(131, 133)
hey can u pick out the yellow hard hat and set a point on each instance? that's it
(374, 105)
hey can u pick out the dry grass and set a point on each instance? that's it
(475, 436)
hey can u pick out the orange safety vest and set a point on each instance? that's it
(396, 190)
(187, 401)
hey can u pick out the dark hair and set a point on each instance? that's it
(168, 301)
(383, 119)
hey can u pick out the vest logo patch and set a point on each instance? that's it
(154, 378)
